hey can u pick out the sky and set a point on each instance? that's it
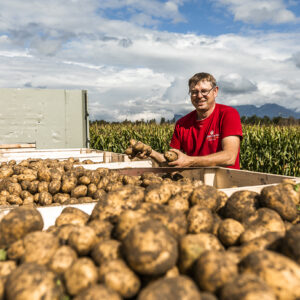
(134, 57)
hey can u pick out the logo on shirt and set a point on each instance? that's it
(212, 136)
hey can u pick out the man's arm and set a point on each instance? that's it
(225, 157)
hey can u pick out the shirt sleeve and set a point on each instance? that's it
(231, 124)
(175, 141)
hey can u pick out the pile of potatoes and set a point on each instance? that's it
(155, 237)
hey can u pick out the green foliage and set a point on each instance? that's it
(2, 254)
(269, 149)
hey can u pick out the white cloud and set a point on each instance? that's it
(259, 11)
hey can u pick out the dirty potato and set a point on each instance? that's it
(81, 275)
(96, 292)
(246, 286)
(170, 156)
(213, 269)
(82, 239)
(241, 204)
(229, 232)
(279, 272)
(180, 287)
(62, 259)
(200, 219)
(17, 223)
(191, 246)
(116, 275)
(150, 248)
(32, 281)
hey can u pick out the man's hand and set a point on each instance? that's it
(182, 161)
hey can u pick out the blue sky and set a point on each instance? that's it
(134, 57)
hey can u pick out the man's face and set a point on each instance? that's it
(205, 102)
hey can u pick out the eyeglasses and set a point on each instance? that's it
(195, 93)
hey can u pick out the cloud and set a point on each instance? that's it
(296, 59)
(259, 11)
(236, 84)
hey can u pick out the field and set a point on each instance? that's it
(269, 149)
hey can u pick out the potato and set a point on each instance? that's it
(81, 275)
(173, 219)
(44, 174)
(56, 174)
(61, 198)
(79, 191)
(206, 196)
(229, 232)
(2, 289)
(281, 199)
(45, 198)
(68, 184)
(263, 221)
(116, 275)
(290, 245)
(39, 247)
(105, 251)
(241, 204)
(17, 223)
(245, 287)
(14, 188)
(208, 296)
(170, 156)
(136, 147)
(174, 272)
(102, 229)
(91, 189)
(279, 272)
(150, 248)
(82, 239)
(200, 220)
(33, 186)
(96, 292)
(180, 287)
(62, 259)
(54, 186)
(158, 193)
(27, 177)
(269, 240)
(179, 203)
(191, 246)
(14, 200)
(31, 281)
(6, 267)
(43, 186)
(127, 220)
(70, 218)
(16, 250)
(213, 269)
(115, 202)
(84, 180)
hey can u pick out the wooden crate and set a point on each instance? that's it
(224, 179)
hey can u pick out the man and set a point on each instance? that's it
(208, 136)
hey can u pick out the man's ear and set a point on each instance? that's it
(216, 90)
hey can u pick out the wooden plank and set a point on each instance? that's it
(14, 146)
(230, 178)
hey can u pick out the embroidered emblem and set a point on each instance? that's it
(212, 136)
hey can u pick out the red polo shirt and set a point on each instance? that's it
(198, 138)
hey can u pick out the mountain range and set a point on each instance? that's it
(270, 110)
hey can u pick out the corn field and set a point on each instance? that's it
(269, 149)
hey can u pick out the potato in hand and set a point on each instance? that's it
(138, 149)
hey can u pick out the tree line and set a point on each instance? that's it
(253, 120)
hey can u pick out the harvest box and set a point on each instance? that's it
(224, 179)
